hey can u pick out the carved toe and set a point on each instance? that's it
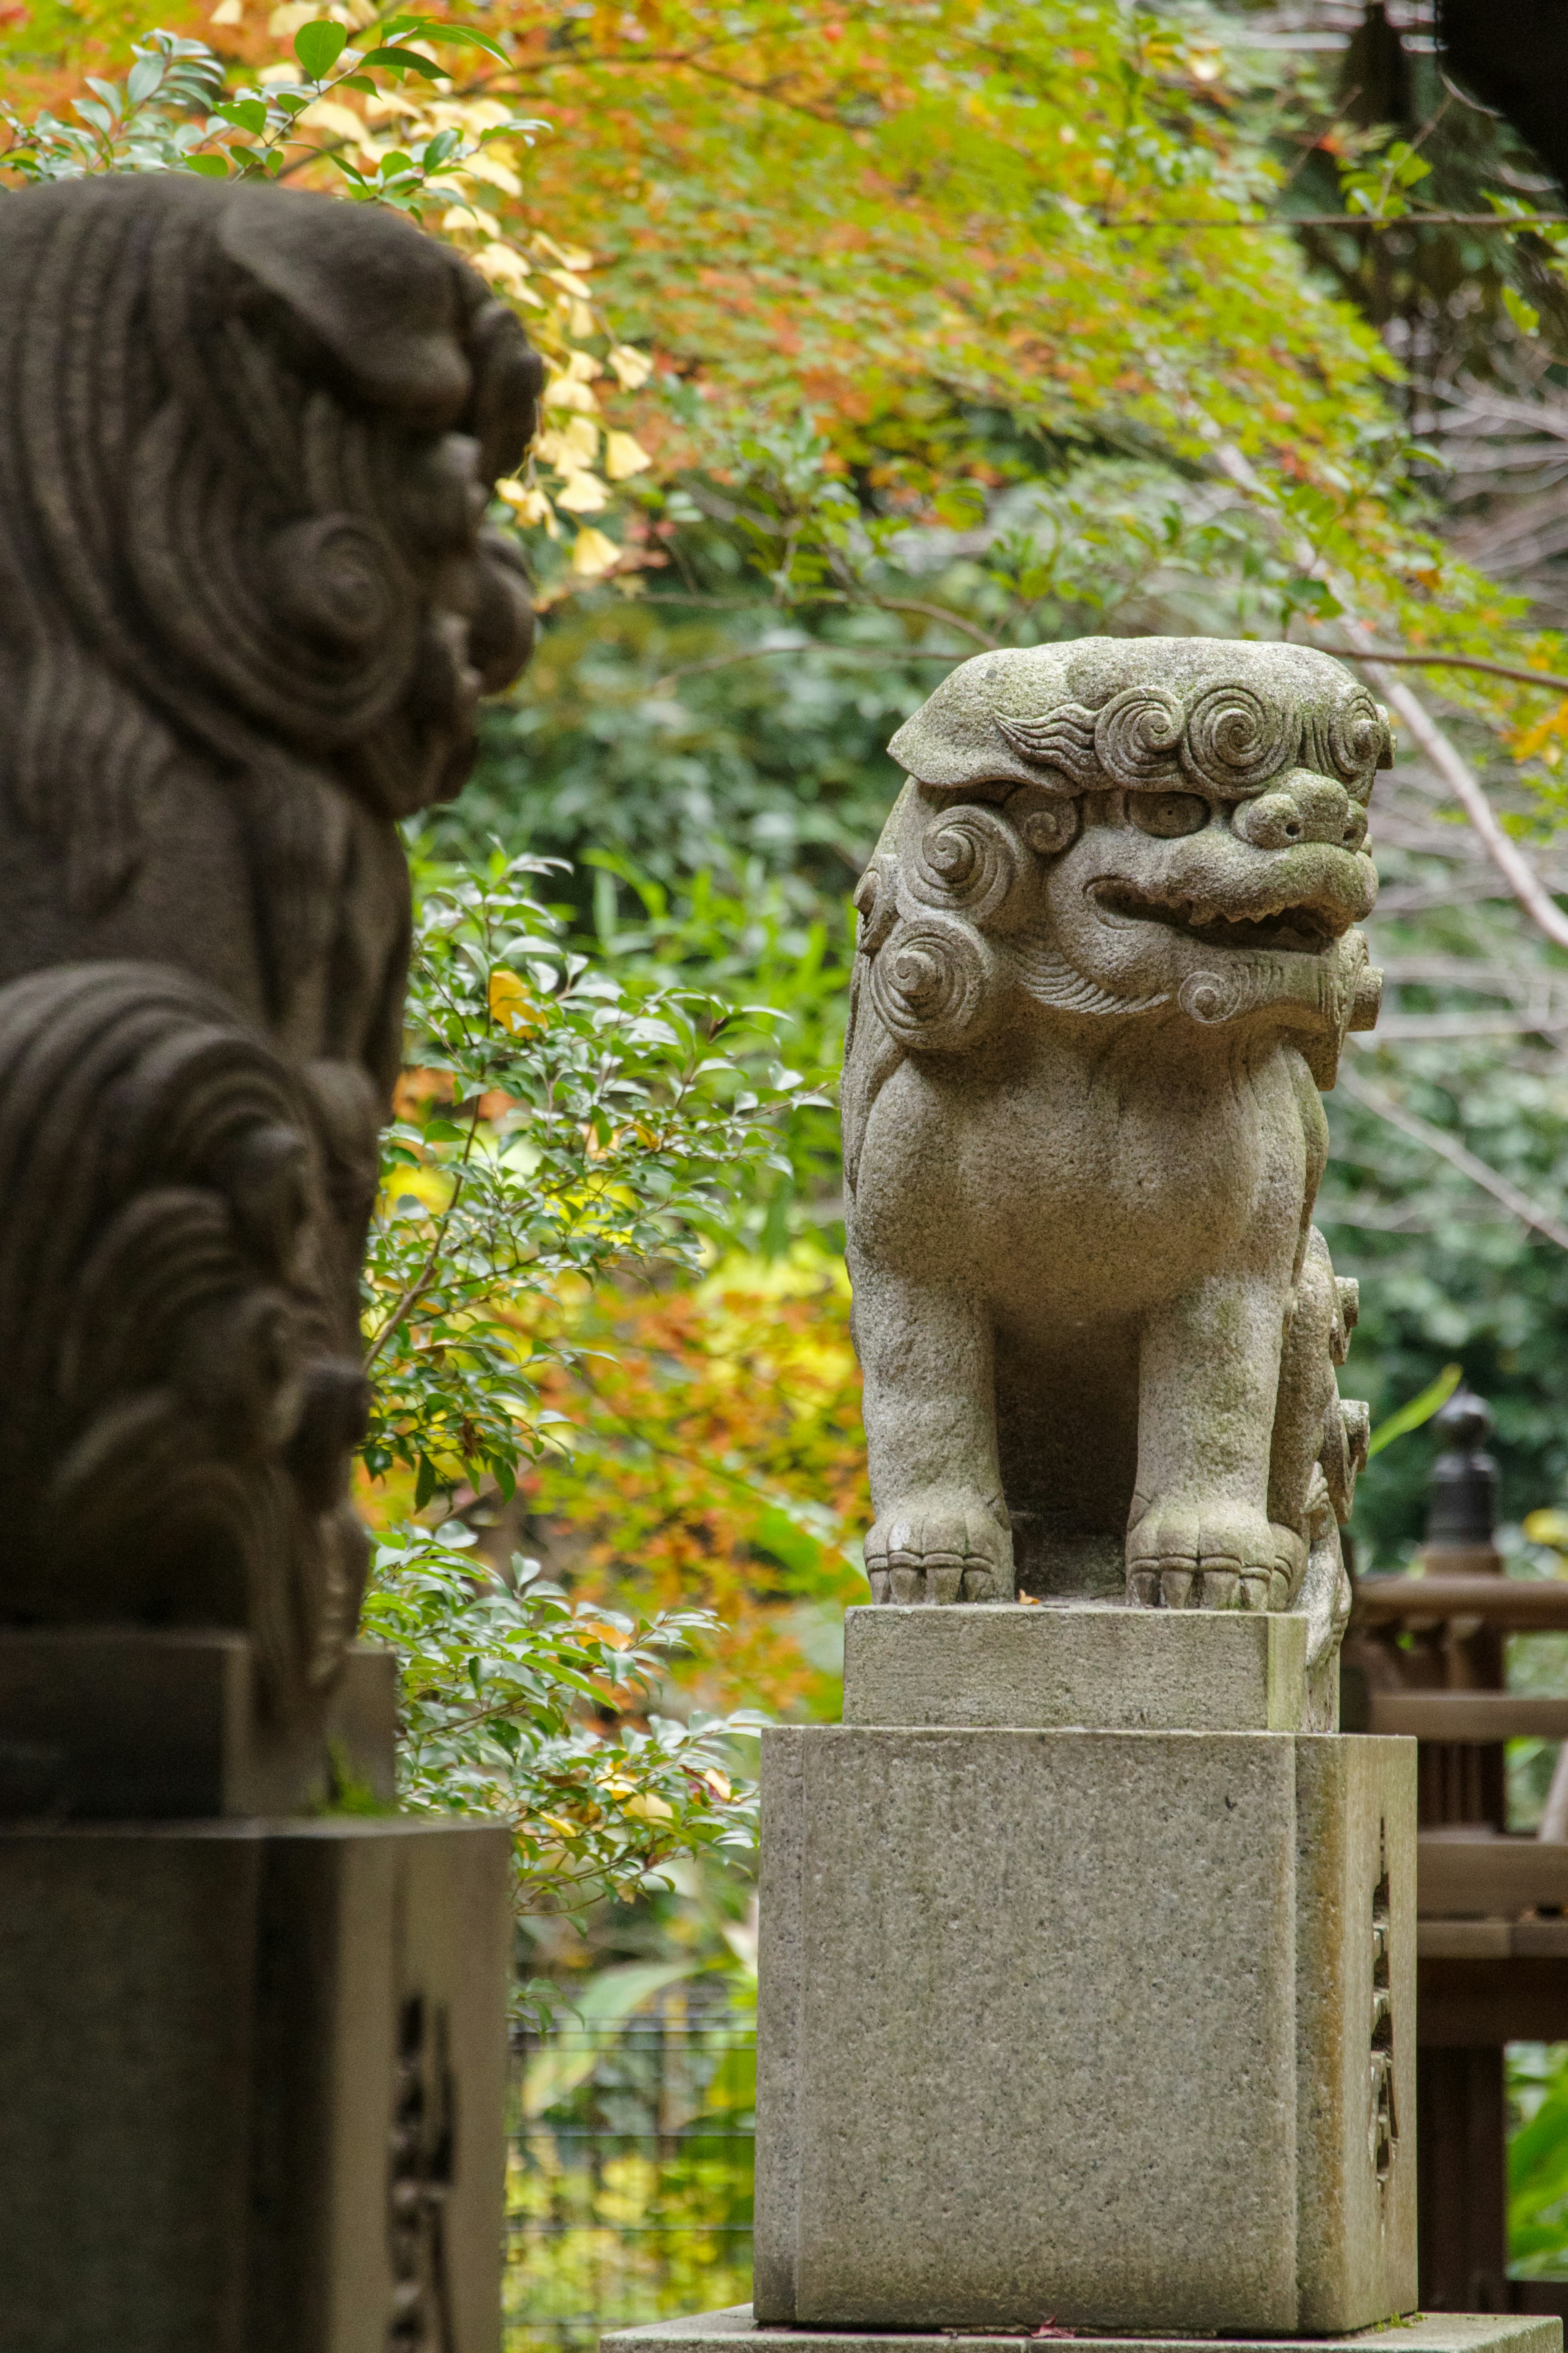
(952, 1548)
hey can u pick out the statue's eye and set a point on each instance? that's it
(1166, 815)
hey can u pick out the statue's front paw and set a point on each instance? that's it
(941, 1548)
(1187, 1557)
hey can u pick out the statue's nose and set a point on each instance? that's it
(1300, 808)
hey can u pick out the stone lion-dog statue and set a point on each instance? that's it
(1106, 959)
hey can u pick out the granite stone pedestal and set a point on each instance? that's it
(253, 2066)
(1113, 2024)
(1087, 1996)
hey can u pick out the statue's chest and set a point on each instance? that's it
(1074, 1176)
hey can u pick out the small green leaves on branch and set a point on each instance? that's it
(505, 1687)
(557, 1124)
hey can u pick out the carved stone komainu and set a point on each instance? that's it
(247, 607)
(1106, 960)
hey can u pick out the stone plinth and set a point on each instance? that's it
(994, 1664)
(735, 2330)
(1086, 2024)
(253, 2082)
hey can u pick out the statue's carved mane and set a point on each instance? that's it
(224, 500)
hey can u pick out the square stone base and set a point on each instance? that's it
(734, 2330)
(254, 2082)
(1116, 2026)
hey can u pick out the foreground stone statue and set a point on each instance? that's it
(249, 605)
(1088, 1953)
(1106, 960)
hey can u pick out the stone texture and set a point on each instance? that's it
(231, 2054)
(122, 1723)
(1107, 958)
(1428, 2332)
(1099, 1666)
(1085, 2023)
(250, 436)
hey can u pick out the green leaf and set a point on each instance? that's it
(318, 45)
(1419, 1409)
(245, 113)
(144, 78)
(402, 61)
(209, 166)
(1525, 316)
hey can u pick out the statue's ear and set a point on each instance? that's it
(387, 302)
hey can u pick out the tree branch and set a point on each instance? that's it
(1448, 1147)
(1455, 661)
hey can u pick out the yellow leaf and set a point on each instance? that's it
(512, 1005)
(475, 114)
(582, 493)
(487, 166)
(326, 114)
(579, 318)
(624, 457)
(1548, 1527)
(567, 392)
(527, 501)
(718, 1782)
(570, 283)
(471, 218)
(568, 446)
(633, 367)
(650, 1809)
(230, 12)
(285, 22)
(592, 554)
(502, 266)
(571, 257)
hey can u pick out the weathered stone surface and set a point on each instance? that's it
(1085, 2023)
(232, 2054)
(1428, 2332)
(251, 605)
(1096, 1665)
(124, 1724)
(1106, 960)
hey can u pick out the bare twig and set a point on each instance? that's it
(1545, 678)
(1448, 1147)
(1466, 787)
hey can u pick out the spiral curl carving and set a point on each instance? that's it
(1138, 734)
(935, 983)
(970, 859)
(1210, 996)
(1047, 821)
(1357, 738)
(336, 581)
(1234, 741)
(876, 902)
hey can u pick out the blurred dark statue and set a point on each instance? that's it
(250, 608)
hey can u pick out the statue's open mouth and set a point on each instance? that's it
(1292, 925)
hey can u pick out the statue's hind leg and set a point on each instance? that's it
(941, 1531)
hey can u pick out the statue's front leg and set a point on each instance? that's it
(1199, 1534)
(941, 1531)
